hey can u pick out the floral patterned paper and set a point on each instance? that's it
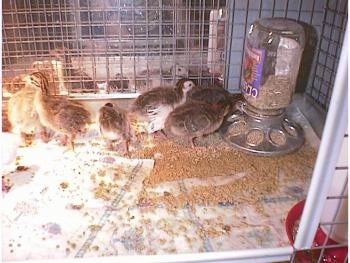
(85, 203)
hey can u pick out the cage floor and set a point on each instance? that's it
(95, 203)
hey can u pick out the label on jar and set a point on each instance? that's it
(253, 63)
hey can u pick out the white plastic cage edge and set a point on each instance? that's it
(242, 256)
(330, 147)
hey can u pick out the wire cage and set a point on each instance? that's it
(121, 48)
(145, 43)
(328, 52)
(115, 46)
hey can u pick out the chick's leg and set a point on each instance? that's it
(160, 134)
(27, 139)
(63, 140)
(110, 145)
(126, 148)
(197, 145)
(68, 140)
(45, 137)
(71, 141)
(193, 145)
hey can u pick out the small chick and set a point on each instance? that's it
(61, 115)
(154, 106)
(195, 119)
(215, 95)
(119, 84)
(23, 116)
(48, 68)
(6, 124)
(114, 125)
(211, 94)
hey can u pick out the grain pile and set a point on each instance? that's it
(174, 162)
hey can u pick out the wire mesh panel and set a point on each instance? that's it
(114, 45)
(118, 45)
(330, 42)
(330, 243)
(123, 46)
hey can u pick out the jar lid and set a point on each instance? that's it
(282, 25)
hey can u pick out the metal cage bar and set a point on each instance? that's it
(331, 35)
(335, 127)
(104, 42)
(84, 25)
(113, 46)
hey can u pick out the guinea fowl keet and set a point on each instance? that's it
(114, 126)
(152, 107)
(23, 116)
(195, 119)
(65, 117)
(214, 95)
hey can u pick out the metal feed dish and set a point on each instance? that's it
(268, 135)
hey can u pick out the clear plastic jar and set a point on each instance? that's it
(272, 56)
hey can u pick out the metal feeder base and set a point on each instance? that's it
(259, 134)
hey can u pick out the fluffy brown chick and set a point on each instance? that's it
(114, 126)
(214, 95)
(195, 119)
(61, 115)
(153, 106)
(23, 116)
